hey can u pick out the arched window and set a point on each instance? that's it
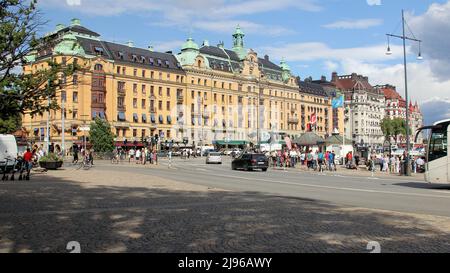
(199, 63)
(98, 67)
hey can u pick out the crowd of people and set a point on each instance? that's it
(317, 160)
(136, 155)
(393, 164)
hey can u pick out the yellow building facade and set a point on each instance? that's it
(204, 94)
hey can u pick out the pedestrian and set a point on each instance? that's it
(75, 153)
(397, 164)
(138, 156)
(28, 161)
(385, 164)
(320, 159)
(131, 154)
(330, 161)
(51, 148)
(91, 156)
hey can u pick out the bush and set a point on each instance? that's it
(51, 157)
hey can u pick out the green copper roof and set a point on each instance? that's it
(189, 44)
(238, 31)
(284, 65)
(69, 46)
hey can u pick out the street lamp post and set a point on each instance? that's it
(419, 57)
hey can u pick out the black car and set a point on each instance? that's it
(250, 162)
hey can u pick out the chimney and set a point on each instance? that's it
(130, 44)
(205, 43)
(323, 79)
(334, 76)
(354, 75)
(76, 22)
(150, 48)
(220, 44)
(266, 57)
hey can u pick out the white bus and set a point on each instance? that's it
(437, 166)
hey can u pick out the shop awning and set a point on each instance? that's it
(231, 142)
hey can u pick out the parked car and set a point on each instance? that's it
(250, 162)
(214, 157)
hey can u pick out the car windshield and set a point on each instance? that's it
(214, 154)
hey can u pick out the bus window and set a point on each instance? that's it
(438, 144)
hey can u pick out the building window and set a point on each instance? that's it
(74, 114)
(143, 104)
(75, 97)
(144, 91)
(160, 91)
(135, 89)
(134, 132)
(118, 69)
(168, 105)
(134, 103)
(135, 72)
(168, 92)
(160, 103)
(75, 79)
(143, 73)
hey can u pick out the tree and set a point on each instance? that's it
(25, 92)
(393, 128)
(101, 136)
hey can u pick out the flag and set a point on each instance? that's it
(338, 102)
(313, 118)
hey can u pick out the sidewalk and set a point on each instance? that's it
(360, 172)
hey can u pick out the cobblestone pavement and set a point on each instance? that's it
(111, 211)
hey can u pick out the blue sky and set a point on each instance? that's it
(315, 37)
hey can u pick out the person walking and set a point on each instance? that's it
(138, 156)
(320, 159)
(75, 153)
(131, 154)
(397, 165)
(331, 161)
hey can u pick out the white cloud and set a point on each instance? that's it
(320, 51)
(193, 13)
(228, 26)
(354, 24)
(374, 2)
(73, 2)
(164, 46)
(432, 27)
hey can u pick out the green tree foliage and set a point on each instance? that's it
(10, 125)
(25, 92)
(101, 136)
(393, 128)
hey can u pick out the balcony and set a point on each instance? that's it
(121, 93)
(293, 120)
(206, 114)
(293, 110)
(121, 108)
(97, 105)
(152, 110)
(180, 99)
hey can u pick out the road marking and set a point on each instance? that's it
(334, 188)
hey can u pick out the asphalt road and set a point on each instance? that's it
(393, 194)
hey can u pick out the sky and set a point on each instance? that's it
(315, 37)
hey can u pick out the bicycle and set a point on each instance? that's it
(85, 164)
(115, 159)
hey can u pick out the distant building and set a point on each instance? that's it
(366, 109)
(396, 108)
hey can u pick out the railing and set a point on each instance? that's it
(293, 120)
(122, 108)
(121, 93)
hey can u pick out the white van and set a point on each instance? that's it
(8, 151)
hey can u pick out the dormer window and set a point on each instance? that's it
(120, 55)
(178, 65)
(143, 59)
(159, 62)
(152, 62)
(134, 57)
(167, 63)
(98, 50)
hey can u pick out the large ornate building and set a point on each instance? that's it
(365, 109)
(396, 108)
(206, 94)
